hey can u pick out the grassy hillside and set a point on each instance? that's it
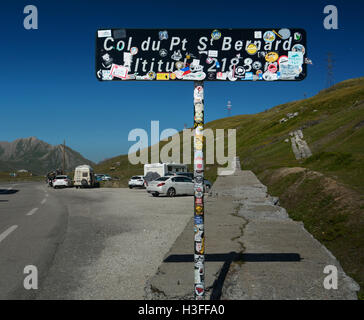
(326, 191)
(332, 123)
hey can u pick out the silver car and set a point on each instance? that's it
(171, 186)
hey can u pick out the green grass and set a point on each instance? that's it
(339, 226)
(5, 176)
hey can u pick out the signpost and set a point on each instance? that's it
(199, 55)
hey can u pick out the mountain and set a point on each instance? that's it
(37, 156)
(324, 189)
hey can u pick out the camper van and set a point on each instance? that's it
(153, 171)
(84, 177)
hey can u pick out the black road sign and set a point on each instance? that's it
(201, 54)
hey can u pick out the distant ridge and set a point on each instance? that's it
(37, 156)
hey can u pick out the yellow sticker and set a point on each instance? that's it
(162, 76)
(272, 57)
(202, 250)
(172, 76)
(198, 144)
(252, 49)
(199, 210)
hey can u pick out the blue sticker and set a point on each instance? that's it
(249, 76)
(163, 35)
(198, 220)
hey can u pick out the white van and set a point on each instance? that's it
(84, 177)
(156, 170)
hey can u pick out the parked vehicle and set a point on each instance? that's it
(207, 183)
(98, 177)
(102, 177)
(51, 176)
(155, 170)
(136, 181)
(171, 186)
(186, 174)
(62, 182)
(84, 177)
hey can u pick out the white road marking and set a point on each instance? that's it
(43, 201)
(7, 232)
(31, 212)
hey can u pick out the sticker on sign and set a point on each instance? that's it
(201, 54)
(119, 71)
(104, 33)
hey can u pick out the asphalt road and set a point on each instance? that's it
(86, 243)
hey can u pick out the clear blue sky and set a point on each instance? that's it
(49, 89)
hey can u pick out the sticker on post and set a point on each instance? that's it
(198, 274)
(198, 92)
(198, 232)
(198, 220)
(199, 290)
(199, 259)
(200, 248)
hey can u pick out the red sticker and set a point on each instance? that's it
(272, 68)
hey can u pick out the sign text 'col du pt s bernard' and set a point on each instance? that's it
(201, 54)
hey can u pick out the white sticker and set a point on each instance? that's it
(195, 62)
(213, 53)
(194, 76)
(119, 71)
(221, 76)
(295, 58)
(283, 60)
(106, 75)
(198, 246)
(258, 34)
(104, 33)
(198, 92)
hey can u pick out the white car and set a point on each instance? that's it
(136, 181)
(62, 182)
(171, 186)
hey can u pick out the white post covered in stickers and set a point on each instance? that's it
(199, 240)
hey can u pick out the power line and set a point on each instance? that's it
(330, 71)
(64, 157)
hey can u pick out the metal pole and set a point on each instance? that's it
(199, 227)
(64, 157)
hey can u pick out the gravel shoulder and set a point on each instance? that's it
(115, 240)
